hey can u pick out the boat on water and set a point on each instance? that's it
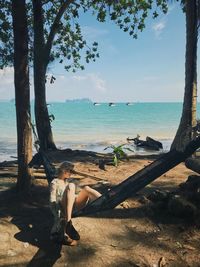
(96, 104)
(129, 104)
(111, 104)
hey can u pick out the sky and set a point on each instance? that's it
(149, 69)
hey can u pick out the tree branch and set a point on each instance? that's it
(45, 2)
(54, 29)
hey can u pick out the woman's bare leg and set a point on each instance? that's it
(67, 204)
(68, 201)
(87, 193)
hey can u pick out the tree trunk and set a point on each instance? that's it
(188, 118)
(139, 180)
(41, 112)
(22, 95)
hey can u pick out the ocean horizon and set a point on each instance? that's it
(85, 126)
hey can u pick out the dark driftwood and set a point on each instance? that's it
(149, 143)
(139, 180)
(193, 164)
(154, 143)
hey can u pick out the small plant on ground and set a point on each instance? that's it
(118, 152)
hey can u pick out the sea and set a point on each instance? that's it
(85, 126)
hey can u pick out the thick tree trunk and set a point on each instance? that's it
(22, 95)
(139, 180)
(188, 118)
(41, 112)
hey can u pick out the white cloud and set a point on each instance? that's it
(93, 33)
(79, 77)
(97, 83)
(159, 27)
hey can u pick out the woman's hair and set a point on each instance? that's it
(65, 166)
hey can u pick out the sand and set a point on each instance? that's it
(136, 233)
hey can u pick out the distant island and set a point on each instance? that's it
(79, 100)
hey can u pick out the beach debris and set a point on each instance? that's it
(149, 143)
(11, 253)
(181, 207)
(101, 164)
(114, 245)
(191, 188)
(125, 205)
(163, 238)
(143, 200)
(162, 262)
(189, 247)
(26, 244)
(178, 244)
(159, 195)
(103, 182)
(182, 203)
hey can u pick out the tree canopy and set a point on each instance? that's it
(63, 36)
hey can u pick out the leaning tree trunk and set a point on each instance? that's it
(129, 187)
(188, 118)
(41, 112)
(22, 95)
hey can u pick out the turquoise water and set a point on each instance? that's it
(85, 126)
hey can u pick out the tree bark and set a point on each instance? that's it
(139, 180)
(22, 95)
(188, 118)
(43, 125)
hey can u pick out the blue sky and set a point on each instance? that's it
(149, 69)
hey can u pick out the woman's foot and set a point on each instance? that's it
(71, 231)
(68, 241)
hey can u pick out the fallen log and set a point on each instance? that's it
(154, 143)
(139, 180)
(150, 143)
(8, 174)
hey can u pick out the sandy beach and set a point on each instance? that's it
(136, 233)
(77, 86)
